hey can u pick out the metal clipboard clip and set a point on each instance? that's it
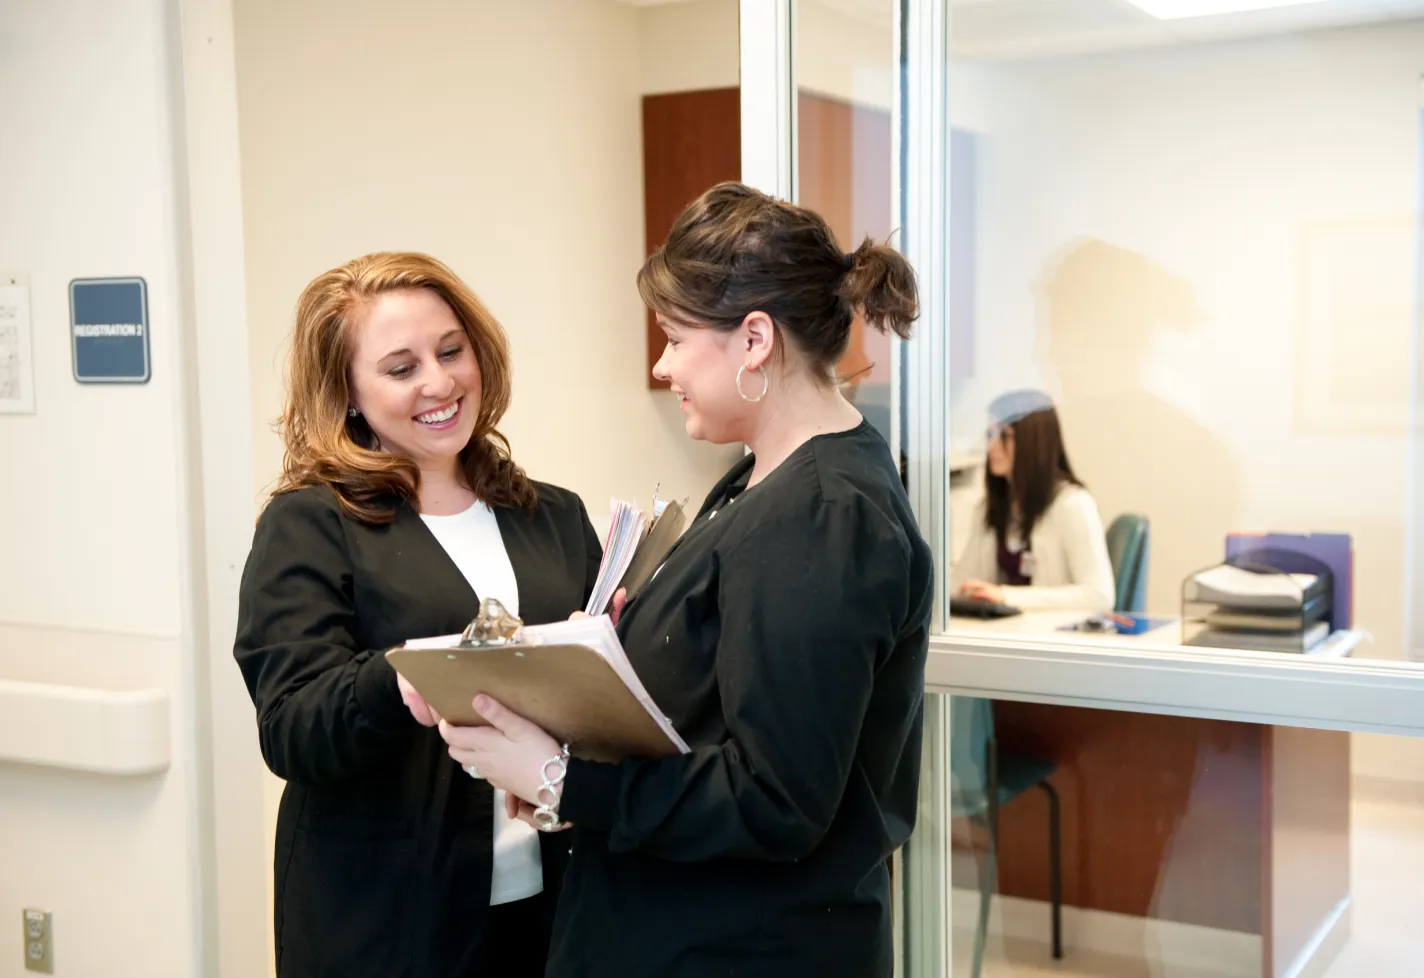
(493, 626)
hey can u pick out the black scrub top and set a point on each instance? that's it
(785, 637)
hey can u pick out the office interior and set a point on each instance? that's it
(1201, 238)
(1206, 251)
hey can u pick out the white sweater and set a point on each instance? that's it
(1071, 569)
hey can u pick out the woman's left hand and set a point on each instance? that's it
(423, 712)
(520, 810)
(510, 753)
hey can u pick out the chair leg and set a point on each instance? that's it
(1055, 866)
(988, 881)
(991, 789)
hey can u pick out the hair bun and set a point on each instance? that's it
(880, 284)
(735, 250)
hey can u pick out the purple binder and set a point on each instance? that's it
(1331, 549)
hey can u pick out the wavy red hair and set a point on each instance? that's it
(324, 446)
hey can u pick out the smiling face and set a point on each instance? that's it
(700, 363)
(415, 378)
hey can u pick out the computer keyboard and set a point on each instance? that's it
(974, 608)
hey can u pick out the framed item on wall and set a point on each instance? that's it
(17, 369)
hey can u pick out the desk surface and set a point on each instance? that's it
(1167, 638)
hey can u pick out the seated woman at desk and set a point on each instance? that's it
(1037, 541)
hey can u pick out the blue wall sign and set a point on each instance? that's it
(108, 320)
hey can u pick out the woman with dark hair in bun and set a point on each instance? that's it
(784, 636)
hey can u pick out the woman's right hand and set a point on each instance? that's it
(423, 712)
(620, 598)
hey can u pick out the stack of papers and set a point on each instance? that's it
(634, 549)
(598, 634)
(1259, 609)
(1259, 642)
(1239, 588)
(624, 534)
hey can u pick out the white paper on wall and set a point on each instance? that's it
(17, 372)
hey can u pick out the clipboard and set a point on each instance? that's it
(666, 527)
(634, 549)
(584, 693)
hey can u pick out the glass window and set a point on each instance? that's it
(1186, 324)
(1177, 846)
(845, 88)
(1181, 349)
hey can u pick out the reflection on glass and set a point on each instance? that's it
(1180, 847)
(845, 81)
(1204, 247)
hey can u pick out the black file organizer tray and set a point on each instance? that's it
(1285, 623)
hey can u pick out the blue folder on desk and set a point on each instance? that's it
(1131, 623)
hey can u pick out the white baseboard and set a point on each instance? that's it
(1228, 953)
(1320, 952)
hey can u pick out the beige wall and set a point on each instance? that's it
(510, 147)
(1207, 253)
(847, 51)
(686, 47)
(840, 51)
(93, 565)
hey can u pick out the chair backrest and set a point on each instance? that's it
(1127, 550)
(971, 727)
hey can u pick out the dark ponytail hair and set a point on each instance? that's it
(880, 285)
(734, 251)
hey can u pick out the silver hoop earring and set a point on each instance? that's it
(765, 383)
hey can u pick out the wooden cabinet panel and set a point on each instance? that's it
(845, 177)
(1162, 815)
(691, 141)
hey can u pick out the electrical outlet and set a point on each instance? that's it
(38, 940)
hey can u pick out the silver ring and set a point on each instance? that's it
(474, 772)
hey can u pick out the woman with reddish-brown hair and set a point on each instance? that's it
(398, 509)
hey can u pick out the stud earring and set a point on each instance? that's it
(352, 412)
